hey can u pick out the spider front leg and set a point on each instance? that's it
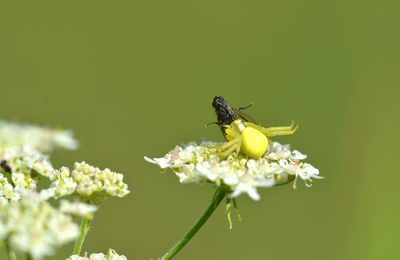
(229, 147)
(275, 131)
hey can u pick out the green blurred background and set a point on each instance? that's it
(134, 78)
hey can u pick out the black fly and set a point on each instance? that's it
(5, 166)
(227, 114)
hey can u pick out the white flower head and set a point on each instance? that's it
(200, 164)
(62, 182)
(78, 208)
(305, 171)
(111, 255)
(84, 180)
(43, 139)
(20, 174)
(90, 179)
(34, 227)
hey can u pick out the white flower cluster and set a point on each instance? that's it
(111, 255)
(77, 208)
(29, 223)
(86, 180)
(21, 175)
(42, 139)
(34, 227)
(22, 157)
(200, 163)
(91, 179)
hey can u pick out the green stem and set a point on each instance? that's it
(85, 226)
(10, 253)
(219, 195)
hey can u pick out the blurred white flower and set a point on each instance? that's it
(62, 182)
(78, 208)
(84, 180)
(21, 174)
(111, 255)
(28, 180)
(10, 192)
(27, 164)
(34, 227)
(3, 201)
(42, 139)
(200, 164)
(23, 181)
(65, 139)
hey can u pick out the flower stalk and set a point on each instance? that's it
(219, 195)
(10, 253)
(85, 226)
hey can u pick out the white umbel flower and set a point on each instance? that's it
(43, 139)
(91, 179)
(34, 227)
(305, 171)
(84, 180)
(200, 164)
(22, 175)
(111, 255)
(62, 182)
(78, 208)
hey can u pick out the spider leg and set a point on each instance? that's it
(258, 127)
(229, 143)
(290, 127)
(270, 132)
(229, 148)
(226, 145)
(234, 141)
(275, 131)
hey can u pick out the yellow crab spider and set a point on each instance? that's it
(241, 134)
(251, 139)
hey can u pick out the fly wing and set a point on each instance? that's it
(245, 117)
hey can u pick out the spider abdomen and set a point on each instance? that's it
(254, 143)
